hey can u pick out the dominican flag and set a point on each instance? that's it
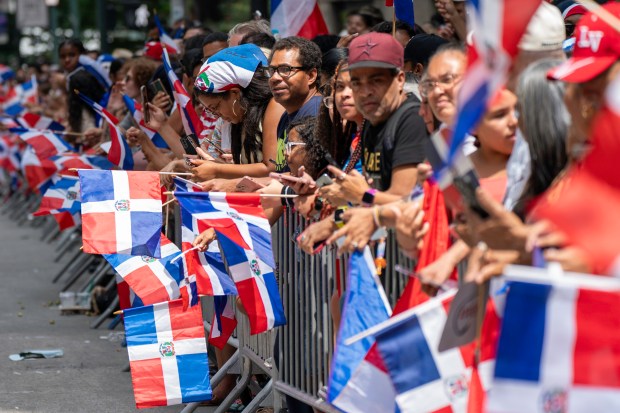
(365, 306)
(558, 348)
(121, 212)
(257, 286)
(167, 354)
(224, 321)
(6, 73)
(126, 297)
(165, 38)
(45, 143)
(62, 196)
(497, 27)
(206, 267)
(38, 171)
(70, 161)
(239, 216)
(297, 18)
(184, 185)
(403, 9)
(154, 280)
(66, 220)
(10, 155)
(135, 109)
(120, 152)
(13, 103)
(191, 122)
(96, 70)
(36, 121)
(425, 379)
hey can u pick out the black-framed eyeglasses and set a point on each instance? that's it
(283, 70)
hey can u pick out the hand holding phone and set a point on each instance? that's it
(324, 180)
(247, 184)
(189, 144)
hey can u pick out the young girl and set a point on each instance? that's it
(80, 116)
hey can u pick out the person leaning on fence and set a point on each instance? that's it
(587, 75)
(293, 72)
(228, 89)
(393, 142)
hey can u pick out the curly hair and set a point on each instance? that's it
(143, 70)
(310, 56)
(314, 160)
(248, 135)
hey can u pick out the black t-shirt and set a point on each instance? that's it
(406, 147)
(310, 108)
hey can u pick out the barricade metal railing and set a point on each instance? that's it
(301, 367)
(307, 283)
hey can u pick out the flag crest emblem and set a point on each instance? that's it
(122, 205)
(166, 349)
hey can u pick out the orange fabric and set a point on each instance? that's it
(495, 186)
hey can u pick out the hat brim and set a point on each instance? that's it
(583, 69)
(371, 63)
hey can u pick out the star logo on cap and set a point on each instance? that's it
(368, 45)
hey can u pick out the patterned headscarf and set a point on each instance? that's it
(234, 66)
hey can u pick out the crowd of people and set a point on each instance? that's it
(349, 123)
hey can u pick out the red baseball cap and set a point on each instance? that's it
(376, 50)
(597, 47)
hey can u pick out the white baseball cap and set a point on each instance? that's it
(545, 31)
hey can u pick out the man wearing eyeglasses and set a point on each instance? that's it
(293, 79)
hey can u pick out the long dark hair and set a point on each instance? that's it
(334, 135)
(545, 122)
(87, 85)
(248, 135)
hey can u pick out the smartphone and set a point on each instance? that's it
(466, 185)
(189, 144)
(324, 180)
(154, 87)
(145, 104)
(459, 188)
(247, 184)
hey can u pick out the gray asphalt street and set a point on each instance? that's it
(88, 378)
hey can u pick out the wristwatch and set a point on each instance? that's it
(368, 199)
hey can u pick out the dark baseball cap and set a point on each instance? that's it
(421, 47)
(375, 50)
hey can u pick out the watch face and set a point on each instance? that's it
(368, 197)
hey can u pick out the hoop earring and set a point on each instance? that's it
(233, 107)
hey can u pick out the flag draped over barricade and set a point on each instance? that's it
(558, 347)
(120, 153)
(167, 354)
(121, 212)
(154, 280)
(135, 109)
(354, 381)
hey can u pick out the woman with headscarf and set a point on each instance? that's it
(233, 86)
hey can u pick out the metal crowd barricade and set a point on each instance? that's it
(307, 283)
